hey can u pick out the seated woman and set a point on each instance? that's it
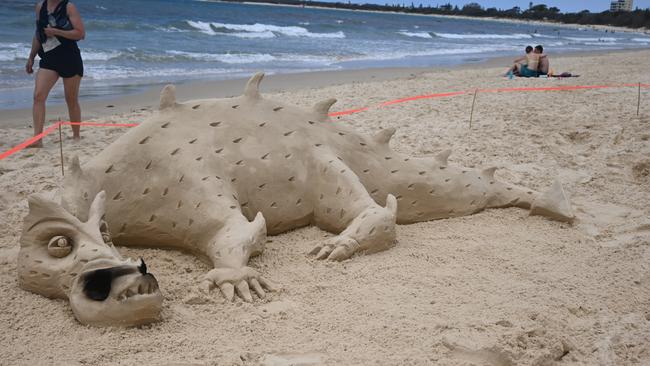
(515, 69)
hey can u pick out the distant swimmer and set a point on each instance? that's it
(58, 28)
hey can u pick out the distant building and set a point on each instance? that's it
(621, 5)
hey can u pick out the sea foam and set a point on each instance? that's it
(228, 58)
(483, 36)
(591, 39)
(14, 51)
(415, 34)
(258, 30)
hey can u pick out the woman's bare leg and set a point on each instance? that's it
(45, 80)
(71, 87)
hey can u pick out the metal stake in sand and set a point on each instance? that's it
(638, 102)
(471, 114)
(61, 148)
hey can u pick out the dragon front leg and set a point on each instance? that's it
(236, 241)
(342, 205)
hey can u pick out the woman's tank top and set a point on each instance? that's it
(58, 19)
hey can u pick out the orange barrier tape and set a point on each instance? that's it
(428, 96)
(30, 141)
(98, 124)
(50, 129)
(349, 111)
(496, 90)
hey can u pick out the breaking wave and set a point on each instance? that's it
(258, 30)
(591, 39)
(20, 51)
(435, 52)
(107, 73)
(483, 36)
(227, 58)
(415, 34)
(96, 55)
(14, 51)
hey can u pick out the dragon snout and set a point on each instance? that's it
(123, 294)
(98, 284)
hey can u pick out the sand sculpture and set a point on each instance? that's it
(215, 177)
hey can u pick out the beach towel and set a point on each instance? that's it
(564, 75)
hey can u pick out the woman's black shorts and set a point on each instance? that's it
(65, 60)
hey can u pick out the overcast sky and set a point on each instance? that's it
(564, 5)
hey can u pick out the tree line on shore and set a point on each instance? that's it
(639, 18)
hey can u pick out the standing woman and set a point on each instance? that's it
(58, 28)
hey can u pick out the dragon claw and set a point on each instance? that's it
(335, 249)
(238, 281)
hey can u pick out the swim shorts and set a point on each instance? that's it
(527, 73)
(65, 60)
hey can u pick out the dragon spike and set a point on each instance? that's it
(391, 204)
(489, 172)
(252, 89)
(384, 136)
(442, 157)
(259, 220)
(553, 204)
(322, 108)
(97, 208)
(168, 97)
(41, 206)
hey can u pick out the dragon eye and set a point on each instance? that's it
(59, 246)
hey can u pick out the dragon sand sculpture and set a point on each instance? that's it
(215, 177)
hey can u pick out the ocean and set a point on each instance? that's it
(133, 44)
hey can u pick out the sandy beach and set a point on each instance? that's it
(495, 288)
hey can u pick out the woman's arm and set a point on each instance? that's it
(77, 33)
(36, 45)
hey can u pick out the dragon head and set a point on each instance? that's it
(63, 257)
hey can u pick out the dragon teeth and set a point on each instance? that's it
(140, 289)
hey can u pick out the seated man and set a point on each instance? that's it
(543, 61)
(515, 69)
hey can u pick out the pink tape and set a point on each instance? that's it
(30, 141)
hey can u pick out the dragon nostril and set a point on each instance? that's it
(142, 267)
(98, 284)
